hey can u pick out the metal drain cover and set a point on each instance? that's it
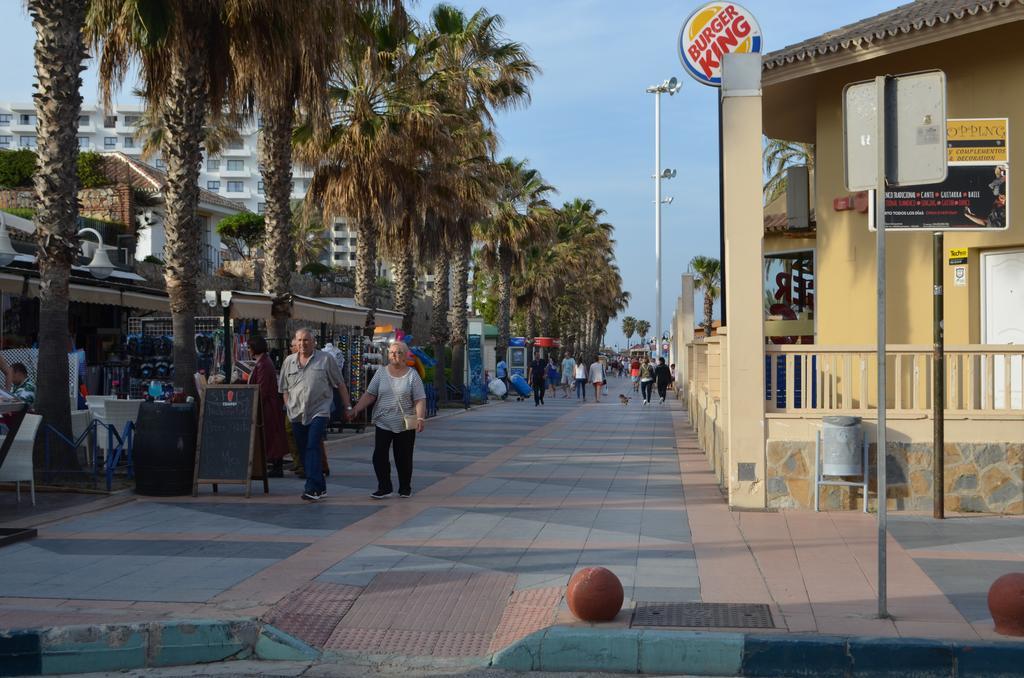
(704, 615)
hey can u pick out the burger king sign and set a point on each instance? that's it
(713, 30)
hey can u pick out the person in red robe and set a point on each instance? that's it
(275, 442)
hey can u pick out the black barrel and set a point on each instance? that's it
(165, 449)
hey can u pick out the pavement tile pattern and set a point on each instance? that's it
(509, 501)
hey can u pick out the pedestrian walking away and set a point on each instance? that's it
(646, 381)
(634, 373)
(597, 378)
(581, 379)
(662, 377)
(275, 441)
(537, 373)
(568, 374)
(307, 381)
(553, 376)
(399, 412)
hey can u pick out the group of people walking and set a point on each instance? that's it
(304, 392)
(545, 374)
(646, 375)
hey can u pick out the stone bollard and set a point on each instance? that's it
(594, 594)
(1006, 604)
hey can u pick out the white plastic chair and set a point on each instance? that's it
(18, 464)
(116, 413)
(98, 399)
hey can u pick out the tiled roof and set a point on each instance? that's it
(905, 19)
(121, 167)
(779, 223)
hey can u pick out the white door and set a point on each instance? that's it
(1003, 322)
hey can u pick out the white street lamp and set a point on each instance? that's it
(670, 86)
(101, 267)
(7, 251)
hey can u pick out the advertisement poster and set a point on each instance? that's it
(477, 388)
(975, 194)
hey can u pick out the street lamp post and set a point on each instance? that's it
(670, 86)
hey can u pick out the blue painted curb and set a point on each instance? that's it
(649, 651)
(116, 647)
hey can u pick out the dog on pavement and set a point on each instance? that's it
(624, 400)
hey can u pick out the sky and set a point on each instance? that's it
(590, 126)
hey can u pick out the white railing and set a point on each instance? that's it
(979, 378)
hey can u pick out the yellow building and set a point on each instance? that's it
(821, 329)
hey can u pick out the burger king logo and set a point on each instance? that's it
(713, 30)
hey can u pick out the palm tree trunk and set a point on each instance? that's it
(460, 297)
(59, 50)
(276, 156)
(709, 309)
(405, 288)
(504, 302)
(184, 111)
(439, 329)
(366, 272)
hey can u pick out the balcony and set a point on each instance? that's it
(236, 152)
(18, 127)
(225, 173)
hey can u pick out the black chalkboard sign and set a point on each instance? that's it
(230, 445)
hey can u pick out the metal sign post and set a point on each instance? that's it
(894, 134)
(881, 83)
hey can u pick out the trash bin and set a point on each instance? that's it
(843, 441)
(165, 449)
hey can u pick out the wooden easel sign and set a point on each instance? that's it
(229, 449)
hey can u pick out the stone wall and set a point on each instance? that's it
(980, 477)
(110, 203)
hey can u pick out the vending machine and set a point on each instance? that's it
(517, 357)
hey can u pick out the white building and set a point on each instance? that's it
(234, 173)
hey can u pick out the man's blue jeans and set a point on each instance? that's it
(307, 441)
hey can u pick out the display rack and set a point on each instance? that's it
(159, 327)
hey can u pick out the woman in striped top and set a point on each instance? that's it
(397, 394)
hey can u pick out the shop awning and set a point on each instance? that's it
(333, 310)
(99, 293)
(350, 313)
(250, 306)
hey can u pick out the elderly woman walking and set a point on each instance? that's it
(399, 410)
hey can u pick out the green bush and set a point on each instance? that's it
(17, 168)
(23, 212)
(91, 172)
(150, 259)
(315, 268)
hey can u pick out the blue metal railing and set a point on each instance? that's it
(120, 447)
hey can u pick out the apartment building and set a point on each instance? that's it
(234, 173)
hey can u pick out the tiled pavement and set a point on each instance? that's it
(510, 499)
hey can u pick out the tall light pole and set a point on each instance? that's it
(671, 86)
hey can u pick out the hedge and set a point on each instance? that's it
(18, 166)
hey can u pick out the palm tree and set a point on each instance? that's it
(59, 51)
(629, 328)
(521, 217)
(480, 72)
(309, 239)
(642, 328)
(361, 160)
(779, 155)
(305, 46)
(183, 52)
(707, 273)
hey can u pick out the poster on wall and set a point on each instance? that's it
(975, 194)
